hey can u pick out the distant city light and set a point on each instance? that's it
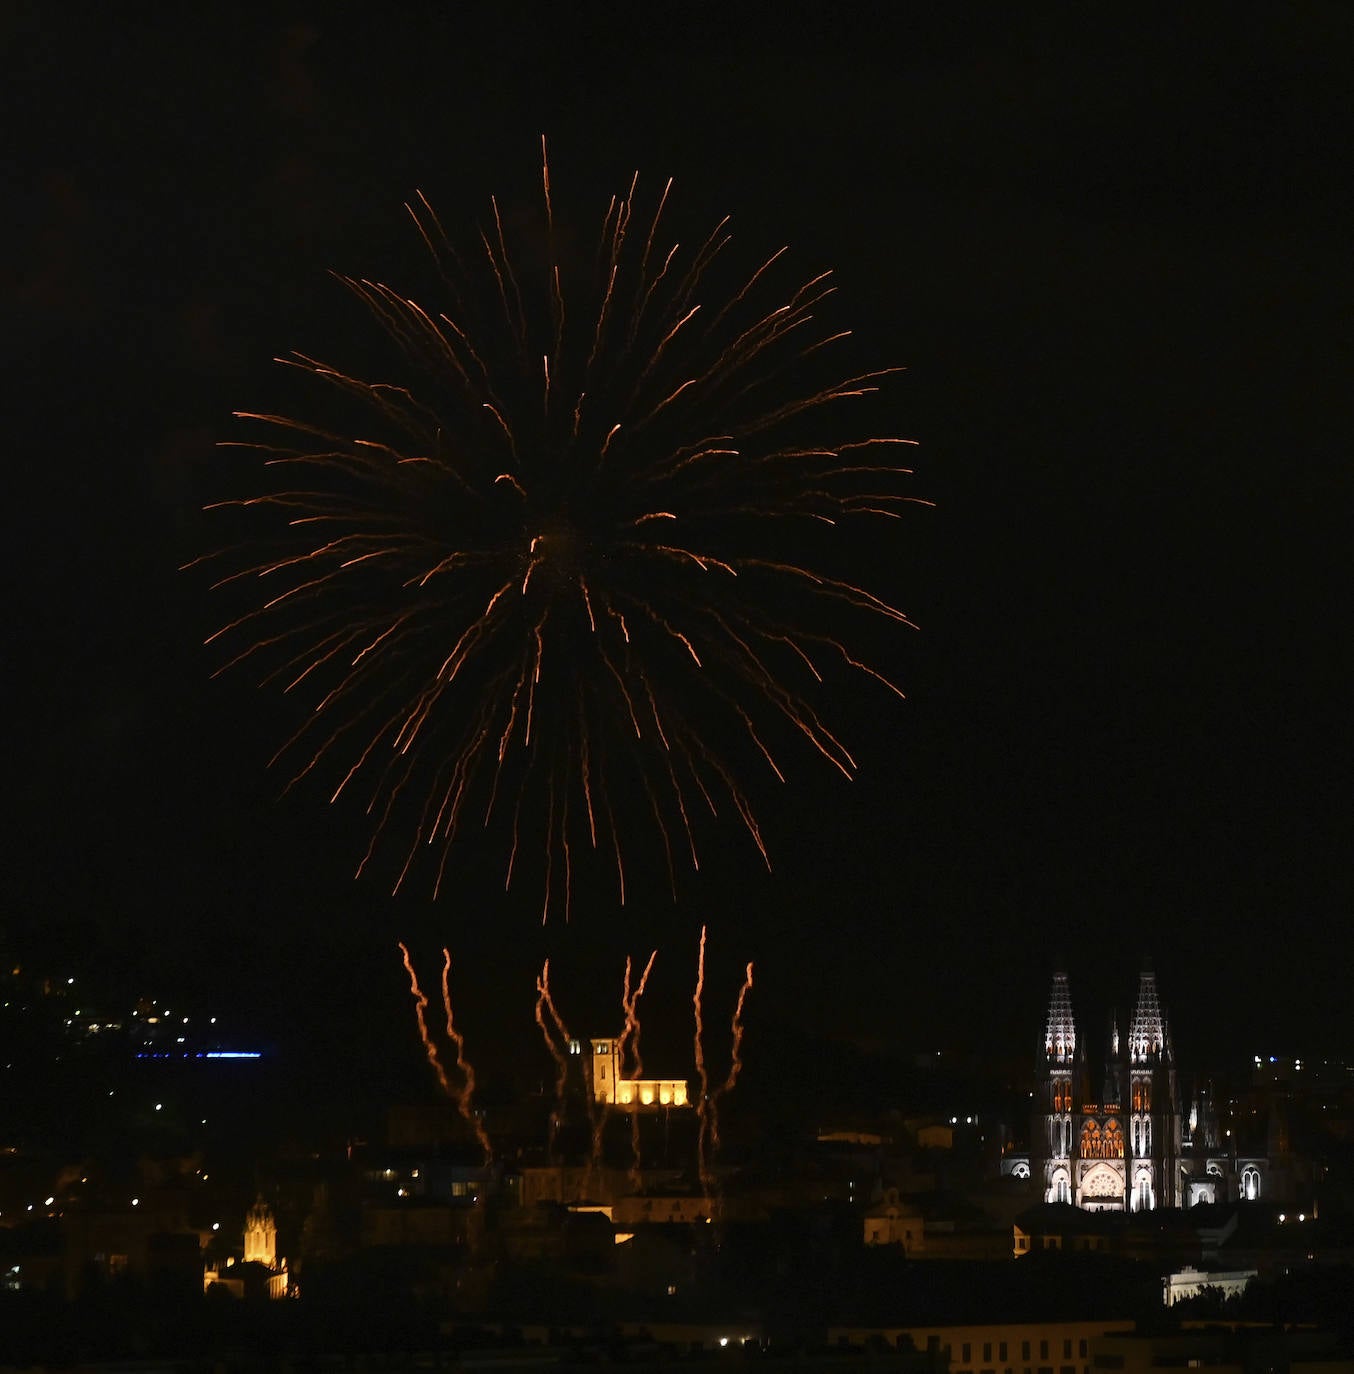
(199, 1054)
(136, 1202)
(216, 1226)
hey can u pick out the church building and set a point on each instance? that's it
(1113, 1144)
(1119, 1140)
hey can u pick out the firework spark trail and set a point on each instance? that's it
(465, 1097)
(545, 1003)
(735, 1060)
(420, 1010)
(636, 1158)
(462, 1096)
(630, 1039)
(477, 592)
(629, 1004)
(703, 1088)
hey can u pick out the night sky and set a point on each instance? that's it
(1113, 253)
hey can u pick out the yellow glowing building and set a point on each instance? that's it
(631, 1093)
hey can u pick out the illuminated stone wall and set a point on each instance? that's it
(610, 1087)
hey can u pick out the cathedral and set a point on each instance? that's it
(1121, 1142)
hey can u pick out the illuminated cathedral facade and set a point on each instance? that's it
(1120, 1141)
(1115, 1144)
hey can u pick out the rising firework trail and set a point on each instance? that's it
(629, 1040)
(421, 1016)
(707, 1106)
(735, 1057)
(577, 565)
(462, 1096)
(703, 1078)
(545, 1004)
(465, 1098)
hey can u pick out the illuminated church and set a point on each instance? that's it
(1121, 1142)
(609, 1084)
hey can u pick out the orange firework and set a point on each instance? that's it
(420, 1014)
(707, 1138)
(735, 1056)
(630, 1038)
(464, 1098)
(582, 567)
(629, 1005)
(545, 1003)
(703, 1091)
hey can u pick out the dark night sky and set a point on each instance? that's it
(1114, 254)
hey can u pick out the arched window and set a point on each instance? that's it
(1062, 1094)
(1250, 1183)
(1092, 1143)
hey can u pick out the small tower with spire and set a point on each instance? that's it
(260, 1235)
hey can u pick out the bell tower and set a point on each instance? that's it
(605, 1070)
(1154, 1128)
(1057, 1096)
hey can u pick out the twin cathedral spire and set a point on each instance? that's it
(1118, 1148)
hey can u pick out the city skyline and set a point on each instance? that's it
(1111, 261)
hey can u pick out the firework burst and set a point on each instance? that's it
(572, 572)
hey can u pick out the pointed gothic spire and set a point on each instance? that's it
(1111, 1088)
(1060, 1031)
(1148, 1035)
